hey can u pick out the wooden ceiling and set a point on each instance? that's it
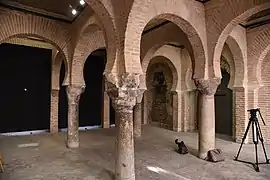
(53, 9)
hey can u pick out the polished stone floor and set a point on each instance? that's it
(44, 156)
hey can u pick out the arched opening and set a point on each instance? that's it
(26, 78)
(224, 104)
(159, 80)
(92, 100)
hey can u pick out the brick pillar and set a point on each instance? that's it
(106, 111)
(123, 90)
(240, 118)
(54, 111)
(73, 94)
(252, 93)
(207, 88)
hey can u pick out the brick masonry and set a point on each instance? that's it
(206, 32)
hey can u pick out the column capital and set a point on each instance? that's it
(55, 92)
(124, 90)
(74, 92)
(207, 86)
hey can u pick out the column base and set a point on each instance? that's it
(202, 155)
(137, 136)
(53, 131)
(73, 145)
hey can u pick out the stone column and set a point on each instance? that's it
(123, 90)
(207, 88)
(137, 121)
(54, 111)
(73, 94)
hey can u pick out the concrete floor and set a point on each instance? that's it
(155, 158)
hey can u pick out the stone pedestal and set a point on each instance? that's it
(123, 90)
(54, 111)
(73, 94)
(138, 120)
(206, 109)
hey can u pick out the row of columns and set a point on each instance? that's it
(127, 105)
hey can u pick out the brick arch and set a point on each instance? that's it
(187, 71)
(219, 27)
(265, 79)
(92, 39)
(187, 15)
(104, 12)
(233, 54)
(56, 68)
(167, 34)
(21, 25)
(168, 62)
(169, 53)
(257, 51)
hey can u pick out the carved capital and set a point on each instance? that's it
(55, 92)
(140, 96)
(207, 86)
(123, 90)
(73, 93)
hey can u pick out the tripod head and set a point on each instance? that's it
(253, 114)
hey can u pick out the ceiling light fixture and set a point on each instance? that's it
(74, 12)
(82, 2)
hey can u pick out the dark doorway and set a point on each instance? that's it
(91, 101)
(223, 106)
(63, 101)
(25, 74)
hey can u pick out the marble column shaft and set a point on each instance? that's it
(73, 93)
(123, 91)
(124, 165)
(207, 88)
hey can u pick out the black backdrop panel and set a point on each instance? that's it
(25, 74)
(63, 101)
(90, 108)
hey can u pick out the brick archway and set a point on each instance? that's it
(105, 13)
(220, 28)
(91, 39)
(21, 25)
(159, 111)
(56, 67)
(175, 11)
(257, 51)
(159, 51)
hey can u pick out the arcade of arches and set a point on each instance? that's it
(183, 65)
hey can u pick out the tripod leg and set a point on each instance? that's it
(243, 140)
(256, 165)
(262, 141)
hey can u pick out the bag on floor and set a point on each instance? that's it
(215, 155)
(182, 148)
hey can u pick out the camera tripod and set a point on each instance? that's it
(257, 135)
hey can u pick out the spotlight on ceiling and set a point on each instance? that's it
(82, 2)
(74, 12)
